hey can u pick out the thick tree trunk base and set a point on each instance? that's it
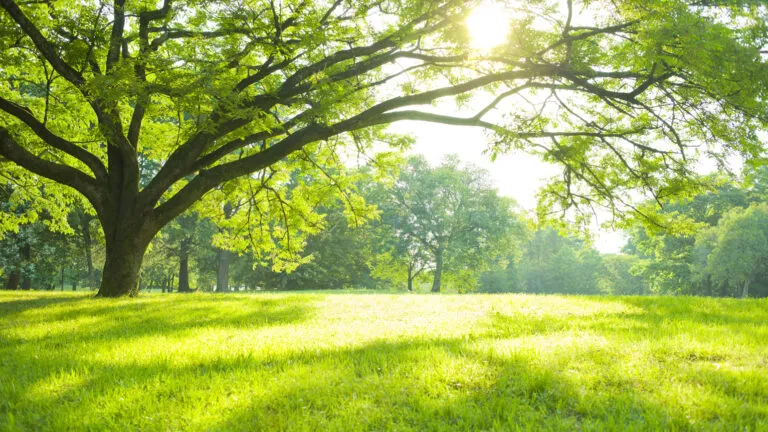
(13, 280)
(121, 271)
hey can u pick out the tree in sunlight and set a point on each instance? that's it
(235, 100)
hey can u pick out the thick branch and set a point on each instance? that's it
(116, 37)
(143, 99)
(59, 173)
(208, 179)
(52, 139)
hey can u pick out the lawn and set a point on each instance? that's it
(348, 361)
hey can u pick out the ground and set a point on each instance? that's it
(347, 361)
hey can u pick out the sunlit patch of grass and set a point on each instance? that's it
(381, 362)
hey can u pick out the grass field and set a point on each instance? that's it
(350, 361)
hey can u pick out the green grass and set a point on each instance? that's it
(322, 362)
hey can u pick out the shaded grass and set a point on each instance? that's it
(381, 362)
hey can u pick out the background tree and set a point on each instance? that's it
(671, 257)
(216, 92)
(552, 263)
(740, 255)
(450, 214)
(617, 277)
(338, 257)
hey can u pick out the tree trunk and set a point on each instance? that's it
(184, 266)
(222, 272)
(61, 284)
(223, 256)
(438, 271)
(85, 232)
(13, 280)
(26, 256)
(123, 260)
(745, 290)
(410, 283)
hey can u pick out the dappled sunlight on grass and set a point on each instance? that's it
(381, 362)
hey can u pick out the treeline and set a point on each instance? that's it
(419, 228)
(715, 244)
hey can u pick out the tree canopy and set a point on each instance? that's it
(220, 98)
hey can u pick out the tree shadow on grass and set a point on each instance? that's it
(700, 310)
(415, 385)
(17, 306)
(445, 385)
(93, 320)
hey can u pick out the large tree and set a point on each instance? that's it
(620, 93)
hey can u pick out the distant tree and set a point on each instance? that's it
(500, 281)
(398, 258)
(617, 276)
(552, 263)
(224, 256)
(740, 254)
(188, 240)
(671, 260)
(81, 222)
(338, 256)
(447, 214)
(35, 250)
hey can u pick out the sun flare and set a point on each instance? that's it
(488, 26)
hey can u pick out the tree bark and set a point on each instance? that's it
(13, 280)
(124, 254)
(745, 289)
(26, 256)
(437, 281)
(411, 276)
(222, 272)
(184, 266)
(62, 278)
(85, 232)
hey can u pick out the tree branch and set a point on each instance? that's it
(55, 141)
(116, 37)
(43, 45)
(59, 173)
